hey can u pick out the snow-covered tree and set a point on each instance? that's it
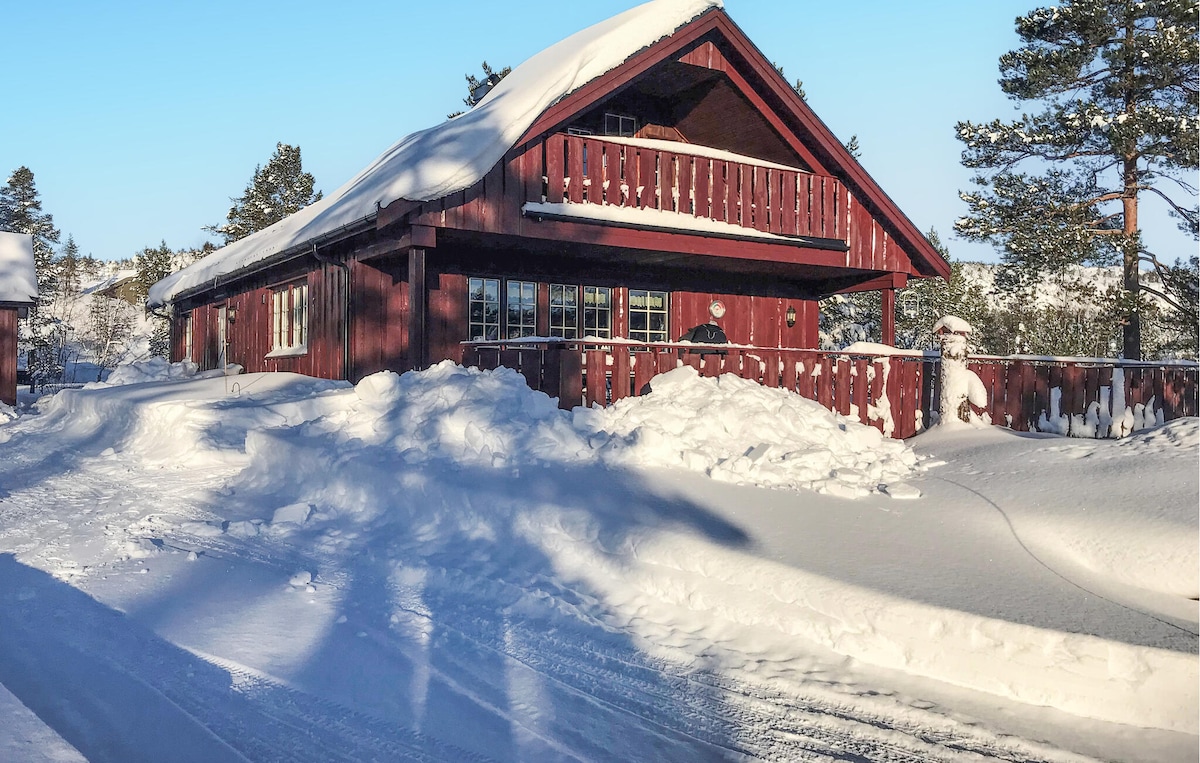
(926, 300)
(277, 190)
(21, 212)
(153, 264)
(475, 91)
(1117, 84)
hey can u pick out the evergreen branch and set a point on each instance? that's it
(1187, 214)
(1169, 300)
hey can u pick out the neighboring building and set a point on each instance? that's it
(18, 292)
(611, 186)
(122, 285)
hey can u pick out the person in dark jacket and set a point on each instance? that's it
(708, 333)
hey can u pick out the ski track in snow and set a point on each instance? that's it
(235, 712)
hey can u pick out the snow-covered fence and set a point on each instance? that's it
(889, 392)
(1085, 397)
(895, 391)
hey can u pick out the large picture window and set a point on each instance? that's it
(521, 309)
(597, 311)
(289, 318)
(483, 299)
(648, 316)
(564, 311)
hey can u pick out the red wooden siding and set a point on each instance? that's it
(8, 355)
(379, 322)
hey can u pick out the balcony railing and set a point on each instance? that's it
(710, 185)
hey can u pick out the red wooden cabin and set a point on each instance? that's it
(612, 186)
(18, 292)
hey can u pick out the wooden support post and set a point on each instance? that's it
(417, 298)
(889, 317)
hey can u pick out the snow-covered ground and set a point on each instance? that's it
(443, 566)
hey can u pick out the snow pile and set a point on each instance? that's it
(736, 430)
(480, 418)
(728, 428)
(150, 370)
(454, 155)
(18, 279)
(7, 413)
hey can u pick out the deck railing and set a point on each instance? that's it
(896, 393)
(760, 196)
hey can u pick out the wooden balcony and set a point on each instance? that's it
(705, 184)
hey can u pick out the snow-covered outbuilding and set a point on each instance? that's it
(18, 292)
(612, 186)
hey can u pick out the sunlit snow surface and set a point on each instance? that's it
(444, 566)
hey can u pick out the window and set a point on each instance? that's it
(580, 131)
(597, 311)
(648, 316)
(289, 318)
(564, 311)
(620, 125)
(483, 300)
(521, 309)
(187, 336)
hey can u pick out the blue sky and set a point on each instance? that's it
(141, 119)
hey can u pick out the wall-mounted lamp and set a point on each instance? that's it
(790, 315)
(232, 313)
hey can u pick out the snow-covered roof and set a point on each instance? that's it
(454, 155)
(18, 278)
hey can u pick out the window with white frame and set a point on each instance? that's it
(187, 336)
(289, 317)
(648, 316)
(520, 309)
(597, 311)
(621, 125)
(483, 309)
(564, 311)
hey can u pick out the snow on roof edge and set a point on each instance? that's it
(18, 275)
(454, 155)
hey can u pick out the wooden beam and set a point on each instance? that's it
(766, 250)
(889, 317)
(417, 300)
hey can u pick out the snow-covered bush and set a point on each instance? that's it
(961, 388)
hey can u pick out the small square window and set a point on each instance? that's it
(621, 125)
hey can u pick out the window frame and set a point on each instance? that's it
(564, 328)
(484, 324)
(621, 120)
(289, 319)
(651, 336)
(527, 299)
(606, 310)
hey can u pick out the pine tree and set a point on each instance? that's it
(852, 147)
(1117, 80)
(927, 300)
(277, 190)
(21, 212)
(474, 94)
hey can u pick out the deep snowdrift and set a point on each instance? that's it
(454, 512)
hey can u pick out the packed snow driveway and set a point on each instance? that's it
(443, 566)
